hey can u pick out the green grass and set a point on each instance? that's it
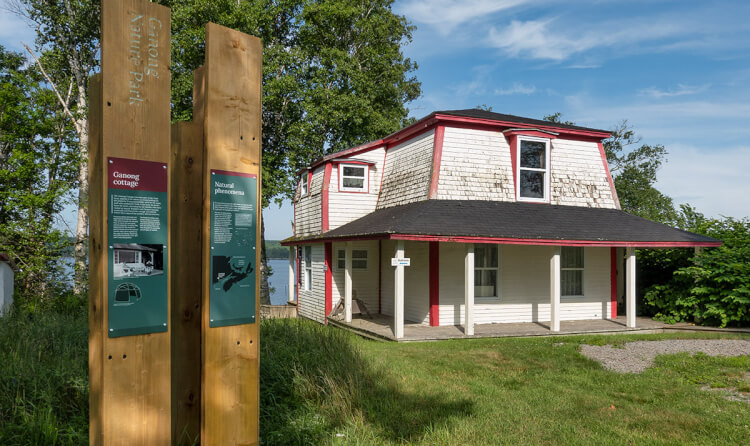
(321, 385)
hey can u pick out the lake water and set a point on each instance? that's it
(279, 281)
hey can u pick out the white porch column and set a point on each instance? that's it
(469, 290)
(292, 255)
(348, 284)
(630, 288)
(554, 289)
(398, 295)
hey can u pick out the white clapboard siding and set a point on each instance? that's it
(408, 168)
(578, 175)
(312, 303)
(364, 281)
(344, 207)
(416, 281)
(307, 210)
(524, 283)
(475, 165)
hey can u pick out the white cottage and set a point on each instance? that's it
(502, 219)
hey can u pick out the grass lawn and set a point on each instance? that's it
(321, 385)
(513, 391)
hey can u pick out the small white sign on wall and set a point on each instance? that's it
(400, 262)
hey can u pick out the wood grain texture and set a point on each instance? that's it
(230, 375)
(130, 402)
(186, 168)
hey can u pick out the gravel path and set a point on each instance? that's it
(636, 357)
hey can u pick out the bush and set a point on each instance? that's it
(715, 288)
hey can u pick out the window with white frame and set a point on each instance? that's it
(533, 169)
(353, 177)
(359, 259)
(303, 185)
(571, 271)
(308, 268)
(486, 271)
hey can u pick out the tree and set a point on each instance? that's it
(334, 76)
(37, 166)
(68, 40)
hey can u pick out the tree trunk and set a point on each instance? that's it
(265, 295)
(80, 253)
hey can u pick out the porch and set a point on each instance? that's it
(381, 327)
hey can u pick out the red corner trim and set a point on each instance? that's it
(609, 175)
(309, 182)
(329, 280)
(437, 156)
(512, 140)
(613, 280)
(324, 196)
(434, 284)
(296, 254)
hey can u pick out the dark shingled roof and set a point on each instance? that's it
(527, 221)
(483, 114)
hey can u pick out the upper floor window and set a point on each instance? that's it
(533, 169)
(353, 177)
(308, 268)
(304, 186)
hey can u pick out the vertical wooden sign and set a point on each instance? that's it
(231, 230)
(129, 339)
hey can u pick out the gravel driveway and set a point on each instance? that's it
(637, 356)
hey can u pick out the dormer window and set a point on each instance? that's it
(533, 169)
(304, 186)
(353, 177)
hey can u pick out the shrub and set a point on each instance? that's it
(715, 288)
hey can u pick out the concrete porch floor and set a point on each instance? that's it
(379, 327)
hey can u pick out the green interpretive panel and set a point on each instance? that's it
(233, 230)
(137, 234)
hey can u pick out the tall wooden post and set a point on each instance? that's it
(230, 257)
(186, 169)
(129, 339)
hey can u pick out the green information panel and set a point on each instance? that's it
(233, 228)
(137, 228)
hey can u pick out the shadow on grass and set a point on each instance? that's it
(314, 379)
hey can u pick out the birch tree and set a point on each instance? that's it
(65, 51)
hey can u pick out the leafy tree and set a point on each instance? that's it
(68, 41)
(334, 76)
(37, 167)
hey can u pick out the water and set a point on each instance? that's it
(279, 281)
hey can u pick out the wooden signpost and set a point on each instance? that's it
(174, 254)
(129, 339)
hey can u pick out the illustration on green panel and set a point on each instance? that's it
(233, 250)
(137, 254)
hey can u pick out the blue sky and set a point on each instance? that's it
(678, 71)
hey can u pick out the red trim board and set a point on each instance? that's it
(613, 281)
(434, 284)
(382, 174)
(437, 156)
(328, 280)
(512, 141)
(324, 196)
(609, 175)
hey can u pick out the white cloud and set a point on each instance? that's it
(445, 15)
(557, 39)
(681, 90)
(713, 181)
(516, 88)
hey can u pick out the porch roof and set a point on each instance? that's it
(471, 221)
